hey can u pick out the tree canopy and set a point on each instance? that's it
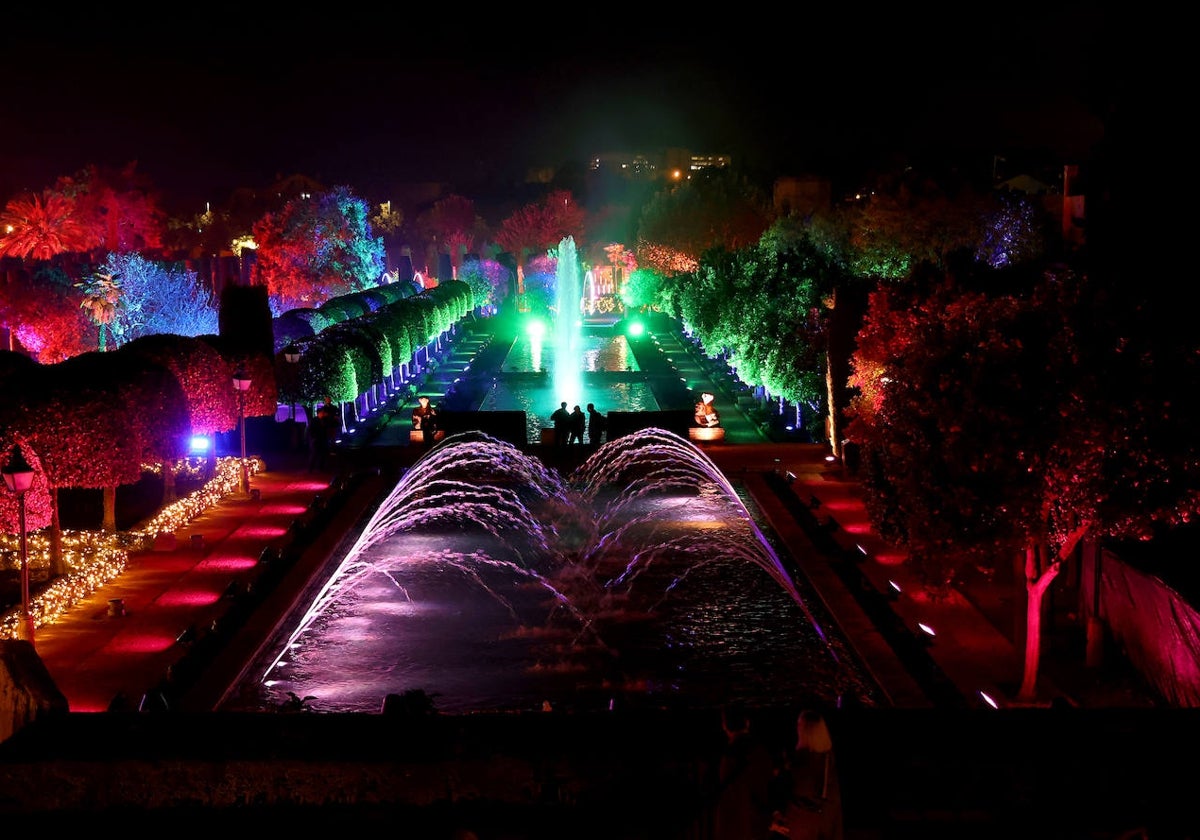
(317, 248)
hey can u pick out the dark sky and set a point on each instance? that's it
(371, 100)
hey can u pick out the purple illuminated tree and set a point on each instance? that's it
(159, 298)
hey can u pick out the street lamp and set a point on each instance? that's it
(291, 354)
(18, 476)
(241, 384)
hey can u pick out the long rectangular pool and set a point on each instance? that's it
(609, 378)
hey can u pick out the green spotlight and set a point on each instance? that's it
(636, 328)
(535, 328)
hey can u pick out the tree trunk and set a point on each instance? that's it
(168, 471)
(1037, 583)
(58, 566)
(110, 510)
(844, 320)
(1095, 627)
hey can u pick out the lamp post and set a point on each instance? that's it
(291, 354)
(18, 476)
(241, 383)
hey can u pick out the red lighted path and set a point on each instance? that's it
(95, 652)
(970, 651)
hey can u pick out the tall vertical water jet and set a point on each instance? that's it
(568, 378)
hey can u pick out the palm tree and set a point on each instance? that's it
(43, 227)
(102, 297)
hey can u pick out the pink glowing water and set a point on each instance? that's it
(493, 583)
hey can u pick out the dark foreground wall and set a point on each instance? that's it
(508, 426)
(621, 423)
(635, 774)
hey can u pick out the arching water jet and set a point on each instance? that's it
(493, 583)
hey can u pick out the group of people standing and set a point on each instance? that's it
(570, 426)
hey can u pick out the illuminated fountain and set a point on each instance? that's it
(571, 362)
(568, 327)
(493, 583)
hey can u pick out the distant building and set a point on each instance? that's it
(672, 163)
(684, 162)
(638, 166)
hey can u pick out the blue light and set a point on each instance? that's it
(199, 444)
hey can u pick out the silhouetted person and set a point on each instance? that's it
(596, 425)
(424, 420)
(745, 774)
(562, 424)
(812, 803)
(321, 433)
(578, 425)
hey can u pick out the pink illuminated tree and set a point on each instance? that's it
(38, 509)
(41, 309)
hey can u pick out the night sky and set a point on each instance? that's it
(211, 103)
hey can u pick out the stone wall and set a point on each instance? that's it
(27, 691)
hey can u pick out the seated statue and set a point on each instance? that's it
(706, 415)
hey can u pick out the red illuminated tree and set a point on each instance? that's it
(541, 225)
(41, 227)
(204, 379)
(38, 512)
(453, 225)
(120, 206)
(1016, 424)
(116, 210)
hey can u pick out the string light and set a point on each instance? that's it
(95, 558)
